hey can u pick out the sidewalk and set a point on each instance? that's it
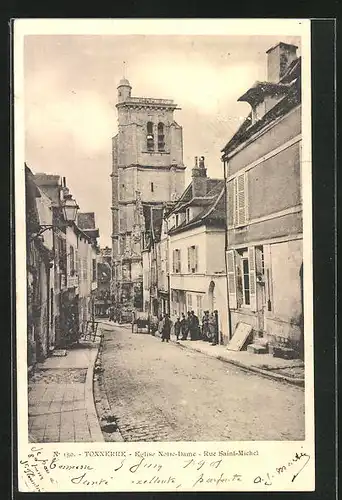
(291, 371)
(60, 397)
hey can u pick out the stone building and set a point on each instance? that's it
(264, 206)
(147, 168)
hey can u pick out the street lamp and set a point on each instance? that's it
(69, 209)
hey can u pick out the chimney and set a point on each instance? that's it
(199, 178)
(279, 59)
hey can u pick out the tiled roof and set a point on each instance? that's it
(213, 214)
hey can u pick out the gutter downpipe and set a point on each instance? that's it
(225, 171)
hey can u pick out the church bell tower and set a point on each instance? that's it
(147, 169)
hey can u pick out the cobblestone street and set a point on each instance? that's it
(161, 392)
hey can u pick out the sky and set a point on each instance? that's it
(70, 85)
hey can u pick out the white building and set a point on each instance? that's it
(196, 232)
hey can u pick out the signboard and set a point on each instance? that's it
(72, 281)
(240, 336)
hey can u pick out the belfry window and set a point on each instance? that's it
(161, 137)
(150, 137)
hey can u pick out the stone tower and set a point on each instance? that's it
(147, 168)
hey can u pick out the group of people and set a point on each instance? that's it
(189, 327)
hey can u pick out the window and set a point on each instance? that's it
(62, 255)
(241, 274)
(85, 268)
(245, 282)
(199, 307)
(150, 137)
(240, 200)
(193, 259)
(187, 214)
(176, 260)
(72, 260)
(94, 270)
(152, 187)
(161, 137)
(177, 220)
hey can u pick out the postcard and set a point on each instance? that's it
(163, 255)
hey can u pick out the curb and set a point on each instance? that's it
(94, 425)
(299, 382)
(104, 403)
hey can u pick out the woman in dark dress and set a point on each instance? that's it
(166, 329)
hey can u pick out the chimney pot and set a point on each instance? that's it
(279, 59)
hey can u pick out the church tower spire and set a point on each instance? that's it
(124, 87)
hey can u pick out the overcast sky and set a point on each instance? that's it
(70, 97)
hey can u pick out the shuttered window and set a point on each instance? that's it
(231, 276)
(252, 278)
(176, 260)
(241, 200)
(193, 259)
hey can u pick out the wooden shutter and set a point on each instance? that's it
(179, 261)
(252, 277)
(196, 258)
(235, 212)
(246, 197)
(231, 277)
(240, 200)
(173, 261)
(189, 259)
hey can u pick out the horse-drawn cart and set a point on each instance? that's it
(141, 322)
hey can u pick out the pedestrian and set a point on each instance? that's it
(177, 328)
(205, 326)
(188, 325)
(166, 328)
(111, 313)
(213, 329)
(160, 324)
(183, 327)
(194, 326)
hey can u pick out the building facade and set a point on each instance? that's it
(147, 168)
(264, 206)
(40, 277)
(196, 232)
(155, 260)
(62, 263)
(103, 298)
(88, 254)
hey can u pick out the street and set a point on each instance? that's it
(163, 392)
